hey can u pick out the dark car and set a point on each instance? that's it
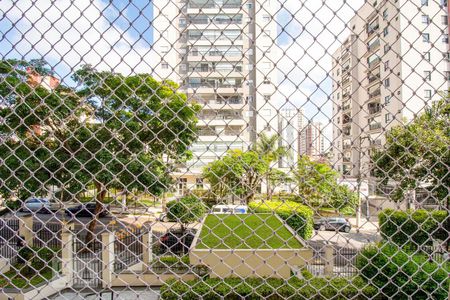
(177, 241)
(339, 224)
(86, 210)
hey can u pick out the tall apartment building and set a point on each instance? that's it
(392, 65)
(290, 124)
(311, 140)
(220, 52)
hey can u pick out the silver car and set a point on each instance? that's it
(39, 205)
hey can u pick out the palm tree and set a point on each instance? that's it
(269, 149)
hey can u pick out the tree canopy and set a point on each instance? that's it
(417, 154)
(112, 131)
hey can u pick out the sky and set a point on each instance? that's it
(117, 35)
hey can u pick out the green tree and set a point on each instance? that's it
(318, 186)
(238, 173)
(269, 149)
(418, 154)
(316, 181)
(114, 131)
(186, 210)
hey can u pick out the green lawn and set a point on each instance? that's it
(246, 231)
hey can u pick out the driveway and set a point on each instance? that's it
(356, 238)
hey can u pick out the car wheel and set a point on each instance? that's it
(347, 229)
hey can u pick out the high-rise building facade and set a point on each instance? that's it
(290, 124)
(311, 139)
(221, 54)
(393, 65)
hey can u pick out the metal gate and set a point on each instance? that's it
(87, 263)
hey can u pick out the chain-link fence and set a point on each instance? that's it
(224, 149)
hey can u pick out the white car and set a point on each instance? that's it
(229, 209)
(39, 205)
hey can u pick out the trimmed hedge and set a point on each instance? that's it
(399, 273)
(296, 215)
(267, 288)
(417, 227)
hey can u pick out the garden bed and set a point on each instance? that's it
(246, 231)
(248, 245)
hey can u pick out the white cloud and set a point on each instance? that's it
(71, 33)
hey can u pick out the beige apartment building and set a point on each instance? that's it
(221, 53)
(392, 65)
(311, 139)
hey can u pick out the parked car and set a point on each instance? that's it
(177, 241)
(340, 224)
(229, 209)
(87, 210)
(39, 205)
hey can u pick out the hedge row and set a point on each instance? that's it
(399, 273)
(417, 227)
(296, 215)
(267, 288)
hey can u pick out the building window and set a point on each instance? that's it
(266, 18)
(387, 82)
(385, 31)
(387, 100)
(426, 56)
(386, 66)
(199, 183)
(426, 37)
(387, 117)
(447, 75)
(266, 81)
(427, 75)
(164, 65)
(425, 19)
(445, 38)
(387, 47)
(164, 50)
(444, 3)
(444, 20)
(424, 2)
(427, 94)
(385, 14)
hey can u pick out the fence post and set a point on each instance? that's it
(67, 251)
(26, 229)
(107, 258)
(329, 260)
(147, 251)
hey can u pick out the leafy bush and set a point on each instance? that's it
(267, 288)
(400, 273)
(296, 215)
(186, 210)
(418, 226)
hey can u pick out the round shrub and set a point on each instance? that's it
(416, 228)
(399, 273)
(299, 217)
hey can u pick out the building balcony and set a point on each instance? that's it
(374, 108)
(375, 63)
(372, 48)
(215, 56)
(375, 78)
(375, 126)
(346, 159)
(346, 107)
(222, 122)
(375, 94)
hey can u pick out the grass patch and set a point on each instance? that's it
(246, 231)
(13, 279)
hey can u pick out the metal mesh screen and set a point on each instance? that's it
(224, 149)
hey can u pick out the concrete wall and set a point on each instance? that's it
(250, 262)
